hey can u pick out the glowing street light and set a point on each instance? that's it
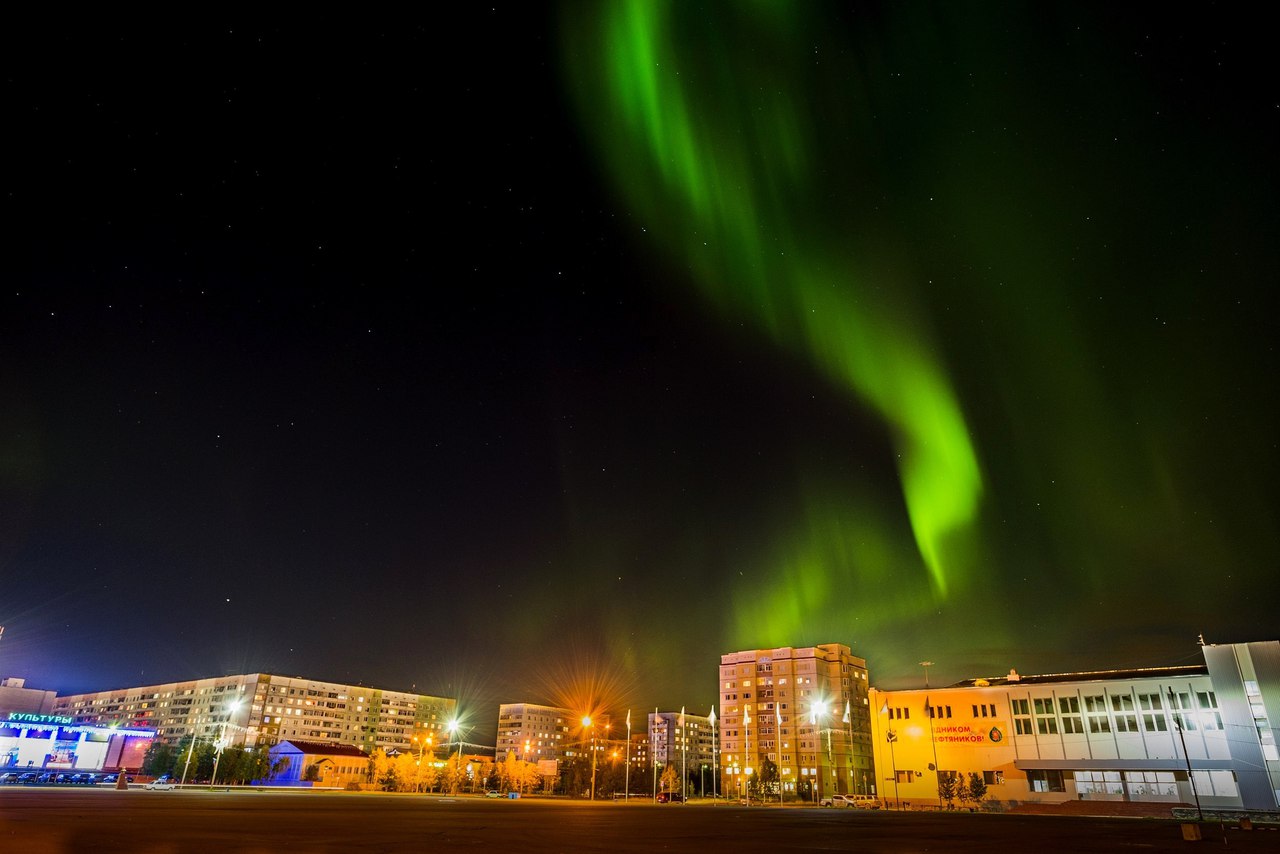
(586, 724)
(232, 708)
(424, 742)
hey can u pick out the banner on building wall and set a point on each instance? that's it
(985, 733)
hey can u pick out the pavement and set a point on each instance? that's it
(37, 821)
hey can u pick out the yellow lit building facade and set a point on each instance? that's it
(805, 709)
(535, 733)
(1158, 735)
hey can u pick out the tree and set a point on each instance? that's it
(255, 765)
(764, 780)
(311, 773)
(977, 788)
(159, 759)
(948, 787)
(670, 778)
(229, 765)
(382, 771)
(408, 772)
(575, 775)
(453, 776)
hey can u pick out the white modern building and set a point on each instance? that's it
(1165, 735)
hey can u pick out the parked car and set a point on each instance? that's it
(493, 793)
(670, 797)
(863, 802)
(8, 777)
(162, 784)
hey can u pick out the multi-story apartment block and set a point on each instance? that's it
(682, 740)
(262, 709)
(804, 709)
(534, 732)
(640, 751)
(1168, 734)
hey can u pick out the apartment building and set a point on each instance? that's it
(263, 709)
(676, 737)
(535, 732)
(806, 710)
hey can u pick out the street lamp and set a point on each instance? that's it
(586, 724)
(232, 708)
(424, 741)
(455, 730)
(814, 712)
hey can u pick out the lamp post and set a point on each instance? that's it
(424, 741)
(586, 723)
(814, 711)
(191, 748)
(1177, 721)
(456, 731)
(626, 795)
(232, 708)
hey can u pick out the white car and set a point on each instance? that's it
(162, 784)
(862, 802)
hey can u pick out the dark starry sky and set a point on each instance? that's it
(336, 348)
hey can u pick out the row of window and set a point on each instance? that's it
(1118, 713)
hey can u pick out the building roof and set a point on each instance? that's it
(320, 748)
(1013, 678)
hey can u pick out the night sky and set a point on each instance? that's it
(516, 350)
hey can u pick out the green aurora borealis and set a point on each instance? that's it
(915, 207)
(519, 346)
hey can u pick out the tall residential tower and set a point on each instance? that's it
(805, 710)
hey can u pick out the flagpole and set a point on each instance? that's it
(715, 756)
(684, 761)
(777, 740)
(653, 759)
(937, 773)
(626, 795)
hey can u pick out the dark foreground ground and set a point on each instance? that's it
(34, 821)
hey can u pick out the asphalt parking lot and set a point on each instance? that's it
(68, 819)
